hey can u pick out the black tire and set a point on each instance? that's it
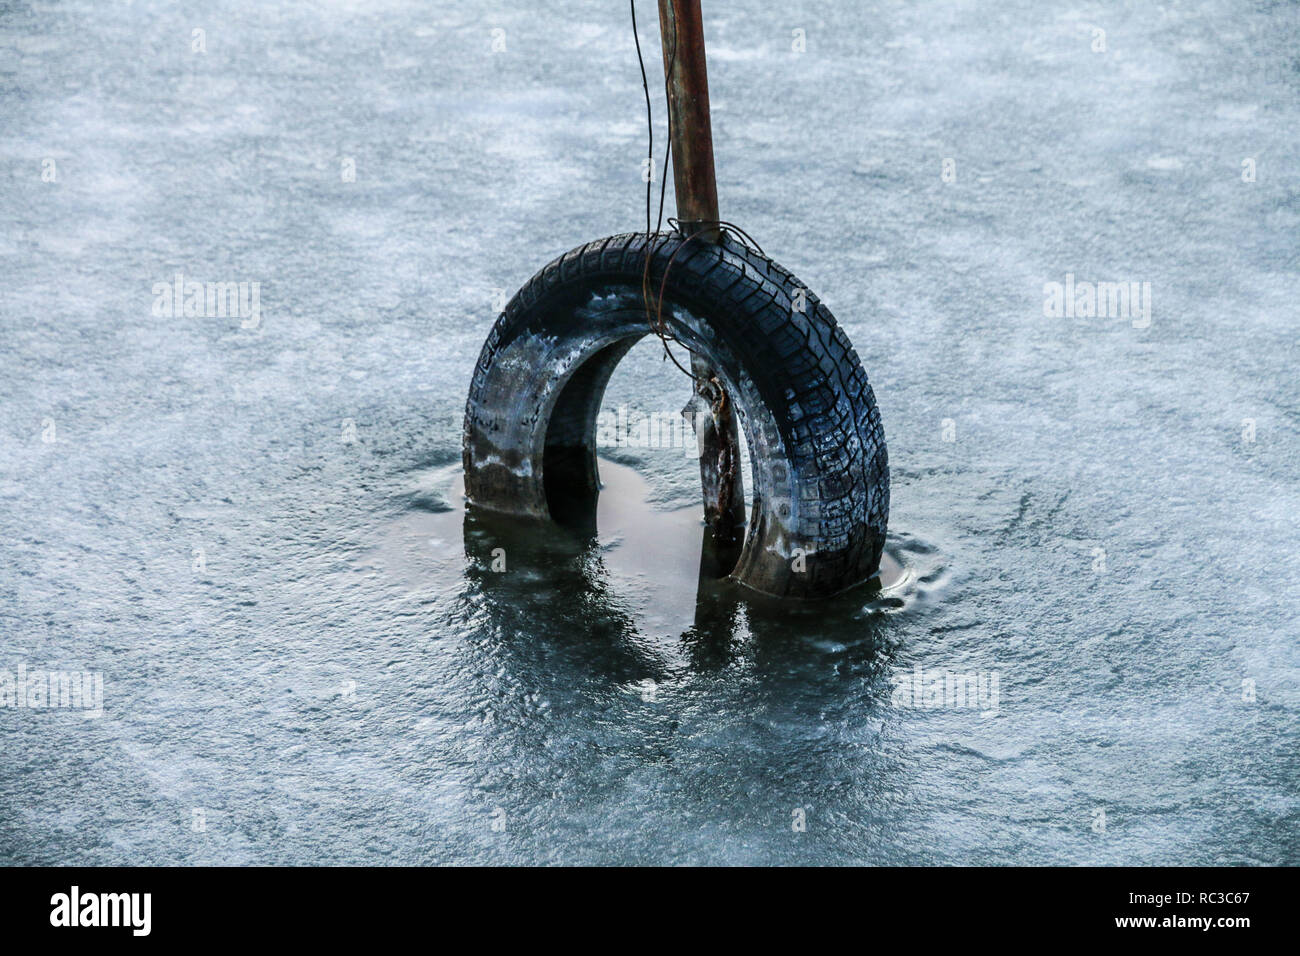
(820, 472)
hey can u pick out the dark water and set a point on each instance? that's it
(250, 528)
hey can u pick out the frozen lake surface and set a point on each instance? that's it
(249, 526)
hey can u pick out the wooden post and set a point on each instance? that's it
(709, 410)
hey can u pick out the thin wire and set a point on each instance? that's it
(656, 326)
(725, 228)
(744, 238)
(649, 119)
(663, 179)
(656, 322)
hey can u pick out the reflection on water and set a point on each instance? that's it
(621, 709)
(632, 596)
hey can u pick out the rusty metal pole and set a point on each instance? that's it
(682, 28)
(709, 410)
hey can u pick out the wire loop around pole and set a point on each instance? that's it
(724, 227)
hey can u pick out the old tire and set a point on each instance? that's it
(820, 474)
